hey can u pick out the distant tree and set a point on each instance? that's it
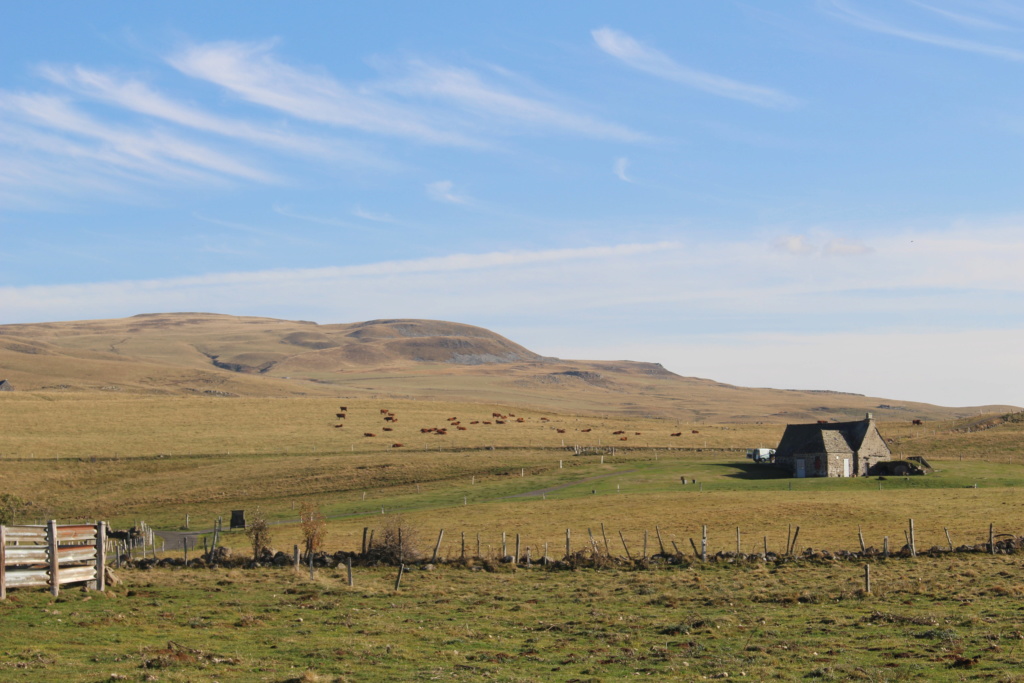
(258, 531)
(314, 528)
(10, 507)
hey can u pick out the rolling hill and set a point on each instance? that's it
(222, 355)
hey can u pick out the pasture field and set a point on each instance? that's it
(100, 456)
(925, 619)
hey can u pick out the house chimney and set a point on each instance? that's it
(869, 417)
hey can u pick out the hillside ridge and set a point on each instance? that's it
(189, 353)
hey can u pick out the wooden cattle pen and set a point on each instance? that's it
(52, 555)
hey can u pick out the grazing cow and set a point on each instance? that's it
(369, 434)
(618, 432)
(341, 415)
(426, 430)
(383, 411)
(544, 419)
(388, 429)
(495, 414)
(518, 419)
(486, 422)
(918, 422)
(676, 434)
(511, 414)
(460, 428)
(636, 433)
(623, 438)
(337, 426)
(343, 409)
(560, 431)
(475, 422)
(823, 422)
(441, 432)
(586, 430)
(397, 445)
(695, 432)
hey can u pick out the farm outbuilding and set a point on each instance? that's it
(5, 385)
(832, 449)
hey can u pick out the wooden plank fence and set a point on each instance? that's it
(52, 555)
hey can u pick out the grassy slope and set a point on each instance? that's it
(790, 623)
(174, 354)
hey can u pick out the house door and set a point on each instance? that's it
(846, 467)
(801, 472)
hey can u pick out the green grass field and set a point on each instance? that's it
(158, 459)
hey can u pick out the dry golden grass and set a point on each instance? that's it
(426, 360)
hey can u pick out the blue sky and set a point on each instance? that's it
(819, 194)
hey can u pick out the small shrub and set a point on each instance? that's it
(258, 531)
(396, 543)
(313, 525)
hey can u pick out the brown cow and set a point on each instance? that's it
(560, 431)
(369, 434)
(676, 434)
(623, 438)
(694, 432)
(343, 408)
(341, 415)
(337, 426)
(586, 430)
(918, 422)
(460, 428)
(475, 422)
(397, 445)
(388, 429)
(619, 432)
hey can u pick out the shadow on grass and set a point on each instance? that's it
(753, 471)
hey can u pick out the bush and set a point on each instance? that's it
(314, 528)
(396, 543)
(258, 531)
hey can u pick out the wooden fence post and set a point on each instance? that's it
(948, 539)
(3, 563)
(704, 543)
(867, 578)
(607, 548)
(398, 579)
(516, 560)
(913, 544)
(568, 544)
(623, 538)
(295, 557)
(101, 556)
(348, 564)
(885, 547)
(437, 546)
(51, 545)
(645, 544)
(860, 534)
(738, 544)
(991, 539)
(365, 529)
(462, 555)
(796, 535)
(504, 546)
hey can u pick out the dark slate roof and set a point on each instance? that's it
(833, 437)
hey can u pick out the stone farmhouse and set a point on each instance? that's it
(832, 449)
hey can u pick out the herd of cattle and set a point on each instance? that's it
(390, 419)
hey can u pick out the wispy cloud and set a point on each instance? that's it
(360, 212)
(444, 191)
(639, 56)
(139, 97)
(846, 11)
(467, 90)
(253, 73)
(151, 152)
(620, 167)
(962, 19)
